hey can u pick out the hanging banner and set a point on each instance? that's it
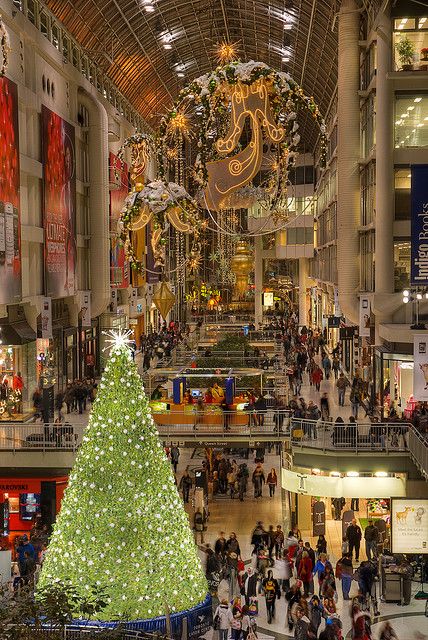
(119, 265)
(364, 317)
(85, 307)
(420, 368)
(10, 219)
(318, 519)
(46, 317)
(409, 525)
(419, 225)
(59, 204)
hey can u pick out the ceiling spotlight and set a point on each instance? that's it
(335, 474)
(285, 59)
(410, 108)
(381, 474)
(352, 474)
(417, 99)
(167, 46)
(180, 74)
(149, 8)
(419, 296)
(288, 26)
(405, 299)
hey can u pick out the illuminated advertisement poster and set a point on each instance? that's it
(10, 222)
(409, 525)
(59, 201)
(420, 367)
(119, 266)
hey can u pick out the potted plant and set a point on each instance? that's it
(406, 51)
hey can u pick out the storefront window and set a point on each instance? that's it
(397, 382)
(402, 183)
(411, 44)
(18, 379)
(368, 126)
(368, 193)
(411, 120)
(401, 265)
(367, 264)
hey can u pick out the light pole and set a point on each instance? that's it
(415, 296)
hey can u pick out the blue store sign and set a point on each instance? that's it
(419, 226)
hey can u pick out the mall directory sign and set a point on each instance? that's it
(409, 525)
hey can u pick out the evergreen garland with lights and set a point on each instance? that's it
(122, 526)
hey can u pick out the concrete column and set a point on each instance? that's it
(384, 274)
(348, 153)
(258, 280)
(303, 283)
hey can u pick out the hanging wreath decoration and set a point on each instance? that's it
(5, 48)
(210, 101)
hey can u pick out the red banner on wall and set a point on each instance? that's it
(10, 219)
(59, 204)
(119, 265)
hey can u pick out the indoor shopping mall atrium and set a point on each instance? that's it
(213, 319)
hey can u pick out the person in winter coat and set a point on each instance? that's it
(242, 478)
(185, 485)
(328, 583)
(250, 585)
(344, 571)
(258, 480)
(316, 611)
(223, 618)
(305, 572)
(321, 544)
(371, 536)
(360, 624)
(279, 541)
(302, 625)
(272, 592)
(353, 536)
(283, 571)
(319, 568)
(317, 376)
(272, 481)
(293, 596)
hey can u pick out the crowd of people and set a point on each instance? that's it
(157, 346)
(284, 566)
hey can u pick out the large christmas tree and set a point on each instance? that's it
(122, 525)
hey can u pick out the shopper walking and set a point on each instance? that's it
(341, 385)
(175, 456)
(304, 572)
(353, 536)
(185, 485)
(258, 480)
(344, 572)
(272, 481)
(272, 592)
(223, 619)
(371, 536)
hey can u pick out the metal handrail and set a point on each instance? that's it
(418, 448)
(270, 425)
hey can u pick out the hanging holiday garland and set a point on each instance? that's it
(5, 48)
